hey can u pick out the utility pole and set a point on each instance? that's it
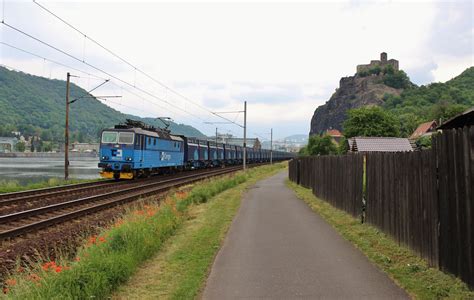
(216, 137)
(271, 146)
(245, 135)
(66, 134)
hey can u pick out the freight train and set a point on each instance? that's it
(135, 149)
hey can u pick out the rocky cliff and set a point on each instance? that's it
(353, 92)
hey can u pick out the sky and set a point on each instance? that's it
(283, 58)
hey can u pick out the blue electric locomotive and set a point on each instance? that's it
(136, 149)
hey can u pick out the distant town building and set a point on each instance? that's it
(424, 129)
(85, 147)
(379, 144)
(380, 63)
(7, 144)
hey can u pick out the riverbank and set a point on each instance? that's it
(47, 154)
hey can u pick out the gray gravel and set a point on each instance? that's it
(278, 248)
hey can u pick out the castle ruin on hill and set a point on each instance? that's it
(381, 63)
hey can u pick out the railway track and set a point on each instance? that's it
(19, 201)
(31, 220)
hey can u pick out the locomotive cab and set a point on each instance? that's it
(116, 154)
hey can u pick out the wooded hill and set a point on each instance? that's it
(434, 101)
(35, 106)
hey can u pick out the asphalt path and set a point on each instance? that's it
(278, 248)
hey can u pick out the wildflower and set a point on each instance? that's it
(58, 269)
(102, 239)
(34, 277)
(20, 270)
(49, 265)
(11, 282)
(5, 290)
(77, 259)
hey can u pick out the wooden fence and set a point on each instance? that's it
(454, 150)
(401, 199)
(424, 200)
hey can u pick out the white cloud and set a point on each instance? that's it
(285, 59)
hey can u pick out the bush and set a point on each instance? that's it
(370, 121)
(398, 80)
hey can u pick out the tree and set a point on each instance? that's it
(32, 147)
(370, 121)
(444, 110)
(343, 146)
(320, 145)
(397, 79)
(424, 142)
(20, 147)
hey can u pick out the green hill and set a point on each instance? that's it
(432, 102)
(35, 106)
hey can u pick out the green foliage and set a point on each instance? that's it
(375, 70)
(35, 106)
(397, 79)
(370, 121)
(319, 145)
(424, 142)
(433, 101)
(20, 147)
(343, 146)
(112, 257)
(363, 73)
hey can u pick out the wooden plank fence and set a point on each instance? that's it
(454, 150)
(402, 199)
(424, 200)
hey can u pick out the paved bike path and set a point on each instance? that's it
(278, 248)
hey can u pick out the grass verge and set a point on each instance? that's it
(407, 269)
(9, 186)
(108, 260)
(179, 271)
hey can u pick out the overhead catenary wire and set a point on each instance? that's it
(132, 65)
(96, 68)
(89, 74)
(51, 60)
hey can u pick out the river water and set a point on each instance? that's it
(26, 170)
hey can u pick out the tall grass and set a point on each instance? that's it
(108, 260)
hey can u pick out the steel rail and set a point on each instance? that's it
(127, 195)
(33, 195)
(11, 197)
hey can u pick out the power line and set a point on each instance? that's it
(87, 73)
(94, 67)
(52, 61)
(130, 64)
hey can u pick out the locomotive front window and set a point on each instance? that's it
(109, 137)
(126, 138)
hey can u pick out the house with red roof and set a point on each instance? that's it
(424, 129)
(335, 134)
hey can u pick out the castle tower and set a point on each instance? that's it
(383, 57)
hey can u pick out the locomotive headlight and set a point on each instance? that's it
(128, 159)
(105, 157)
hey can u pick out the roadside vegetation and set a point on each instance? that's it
(109, 259)
(8, 186)
(407, 269)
